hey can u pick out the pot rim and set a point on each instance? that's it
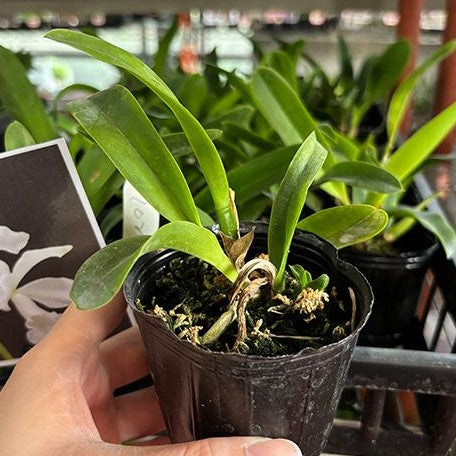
(342, 267)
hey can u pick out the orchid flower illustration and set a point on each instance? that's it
(49, 292)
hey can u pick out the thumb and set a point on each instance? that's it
(226, 446)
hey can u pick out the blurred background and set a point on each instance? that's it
(227, 27)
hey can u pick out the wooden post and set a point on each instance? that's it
(409, 28)
(446, 85)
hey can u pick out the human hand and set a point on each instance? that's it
(59, 399)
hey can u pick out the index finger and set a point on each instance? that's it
(96, 324)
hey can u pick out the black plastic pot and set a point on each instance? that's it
(396, 282)
(207, 394)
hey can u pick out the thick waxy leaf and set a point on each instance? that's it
(223, 104)
(254, 208)
(249, 137)
(112, 186)
(346, 225)
(111, 219)
(346, 146)
(162, 54)
(81, 88)
(235, 81)
(400, 227)
(16, 136)
(206, 219)
(193, 93)
(401, 96)
(281, 62)
(178, 144)
(382, 75)
(116, 122)
(290, 200)
(387, 70)
(281, 106)
(253, 177)
(409, 156)
(94, 169)
(433, 222)
(204, 149)
(293, 50)
(286, 113)
(19, 98)
(345, 79)
(363, 175)
(301, 275)
(320, 283)
(240, 115)
(101, 276)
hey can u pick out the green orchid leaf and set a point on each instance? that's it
(386, 71)
(293, 50)
(320, 283)
(239, 84)
(248, 136)
(345, 78)
(102, 275)
(240, 115)
(346, 225)
(20, 100)
(17, 136)
(281, 106)
(301, 275)
(78, 143)
(178, 144)
(290, 200)
(193, 94)
(84, 88)
(212, 76)
(254, 208)
(116, 122)
(363, 175)
(204, 149)
(345, 145)
(413, 152)
(401, 96)
(164, 45)
(399, 228)
(286, 113)
(410, 156)
(282, 63)
(98, 175)
(111, 188)
(94, 167)
(111, 219)
(223, 104)
(206, 219)
(253, 177)
(380, 75)
(433, 222)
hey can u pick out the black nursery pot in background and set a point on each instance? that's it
(208, 394)
(396, 282)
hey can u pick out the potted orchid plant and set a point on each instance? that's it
(395, 261)
(245, 315)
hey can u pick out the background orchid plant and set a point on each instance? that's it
(366, 173)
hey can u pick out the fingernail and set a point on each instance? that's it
(277, 447)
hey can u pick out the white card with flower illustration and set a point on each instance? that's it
(47, 230)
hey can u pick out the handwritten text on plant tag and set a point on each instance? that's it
(139, 217)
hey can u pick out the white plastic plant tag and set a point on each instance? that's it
(139, 217)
